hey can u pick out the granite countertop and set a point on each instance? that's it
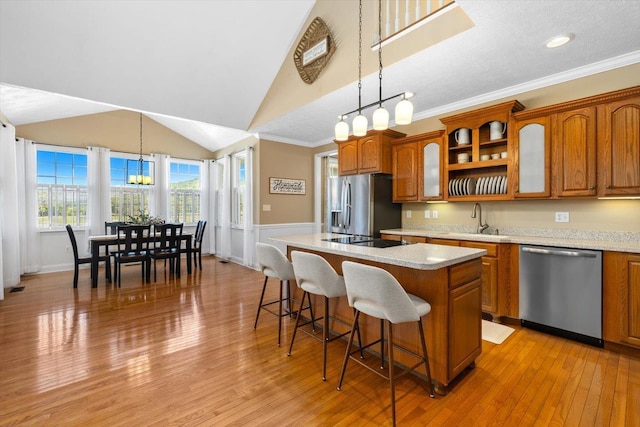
(420, 256)
(620, 242)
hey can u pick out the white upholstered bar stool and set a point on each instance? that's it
(316, 276)
(274, 264)
(376, 293)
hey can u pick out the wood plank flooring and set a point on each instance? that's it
(184, 352)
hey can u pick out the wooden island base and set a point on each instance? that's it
(453, 328)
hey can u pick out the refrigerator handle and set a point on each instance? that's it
(347, 204)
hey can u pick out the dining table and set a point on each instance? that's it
(107, 240)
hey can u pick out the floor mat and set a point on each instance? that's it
(495, 332)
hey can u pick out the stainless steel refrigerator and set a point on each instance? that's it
(362, 205)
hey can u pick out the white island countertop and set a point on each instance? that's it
(420, 256)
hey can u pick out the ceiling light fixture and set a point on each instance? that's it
(560, 40)
(140, 178)
(404, 109)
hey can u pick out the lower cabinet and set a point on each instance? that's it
(621, 298)
(499, 276)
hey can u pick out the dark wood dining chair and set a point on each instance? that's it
(133, 247)
(85, 258)
(167, 247)
(196, 248)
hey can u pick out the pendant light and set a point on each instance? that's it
(403, 110)
(380, 116)
(140, 178)
(360, 122)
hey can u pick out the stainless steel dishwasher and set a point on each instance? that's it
(561, 292)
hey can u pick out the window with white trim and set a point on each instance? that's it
(127, 199)
(238, 189)
(62, 186)
(219, 166)
(184, 191)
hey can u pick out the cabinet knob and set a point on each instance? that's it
(608, 187)
(517, 190)
(592, 188)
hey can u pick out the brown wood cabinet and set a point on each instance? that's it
(595, 146)
(482, 143)
(621, 298)
(530, 156)
(499, 295)
(404, 167)
(574, 148)
(417, 168)
(368, 154)
(619, 148)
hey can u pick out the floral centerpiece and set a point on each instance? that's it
(143, 218)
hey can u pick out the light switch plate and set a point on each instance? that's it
(427, 213)
(434, 214)
(408, 214)
(562, 216)
(266, 208)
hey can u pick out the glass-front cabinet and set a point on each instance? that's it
(531, 157)
(417, 168)
(431, 166)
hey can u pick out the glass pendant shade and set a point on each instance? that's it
(360, 125)
(404, 112)
(380, 119)
(342, 131)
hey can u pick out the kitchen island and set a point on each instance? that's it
(449, 278)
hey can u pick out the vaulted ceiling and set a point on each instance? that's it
(204, 68)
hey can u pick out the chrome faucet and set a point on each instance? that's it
(480, 227)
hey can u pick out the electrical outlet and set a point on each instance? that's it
(562, 216)
(427, 213)
(266, 208)
(408, 214)
(434, 214)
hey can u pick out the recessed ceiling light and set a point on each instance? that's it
(560, 40)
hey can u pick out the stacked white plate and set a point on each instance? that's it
(462, 186)
(492, 185)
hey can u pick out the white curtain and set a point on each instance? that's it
(9, 233)
(249, 239)
(27, 206)
(98, 189)
(159, 197)
(205, 196)
(225, 220)
(214, 187)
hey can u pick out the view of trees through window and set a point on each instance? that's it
(184, 198)
(61, 188)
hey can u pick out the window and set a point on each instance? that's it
(184, 191)
(127, 199)
(62, 187)
(238, 189)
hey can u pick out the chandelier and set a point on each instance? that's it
(140, 177)
(403, 111)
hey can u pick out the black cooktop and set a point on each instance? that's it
(366, 241)
(380, 243)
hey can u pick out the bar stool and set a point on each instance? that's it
(315, 275)
(376, 293)
(274, 264)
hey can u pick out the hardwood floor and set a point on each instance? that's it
(184, 352)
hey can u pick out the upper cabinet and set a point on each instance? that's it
(477, 153)
(591, 145)
(417, 168)
(574, 142)
(530, 156)
(619, 147)
(368, 154)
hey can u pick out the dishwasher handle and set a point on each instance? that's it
(561, 252)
